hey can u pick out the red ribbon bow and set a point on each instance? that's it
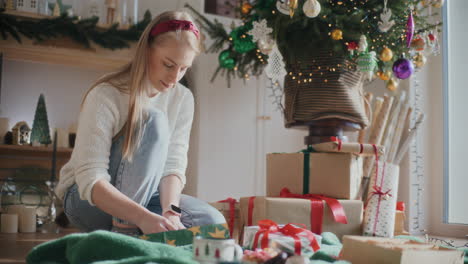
(232, 213)
(268, 226)
(316, 212)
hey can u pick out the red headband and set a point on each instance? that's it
(173, 25)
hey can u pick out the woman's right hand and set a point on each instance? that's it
(154, 223)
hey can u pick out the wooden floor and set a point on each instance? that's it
(15, 247)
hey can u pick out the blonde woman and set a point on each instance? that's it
(127, 169)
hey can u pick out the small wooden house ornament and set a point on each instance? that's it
(21, 133)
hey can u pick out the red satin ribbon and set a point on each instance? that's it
(268, 226)
(316, 212)
(232, 213)
(340, 144)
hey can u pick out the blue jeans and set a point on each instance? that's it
(139, 181)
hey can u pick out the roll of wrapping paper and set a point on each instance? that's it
(334, 146)
(375, 113)
(368, 100)
(398, 132)
(375, 136)
(392, 123)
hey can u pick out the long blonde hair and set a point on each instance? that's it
(130, 79)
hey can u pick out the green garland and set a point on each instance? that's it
(82, 31)
(300, 37)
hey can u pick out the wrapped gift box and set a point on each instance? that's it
(363, 250)
(379, 216)
(224, 208)
(293, 210)
(185, 236)
(280, 242)
(336, 175)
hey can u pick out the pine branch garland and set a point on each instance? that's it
(81, 31)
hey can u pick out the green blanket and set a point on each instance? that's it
(103, 247)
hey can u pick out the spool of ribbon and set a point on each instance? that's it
(232, 213)
(266, 227)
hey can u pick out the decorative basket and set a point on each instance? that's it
(321, 87)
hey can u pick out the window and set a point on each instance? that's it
(456, 121)
(33, 3)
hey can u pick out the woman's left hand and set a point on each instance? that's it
(175, 219)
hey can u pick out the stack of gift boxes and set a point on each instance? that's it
(320, 189)
(314, 199)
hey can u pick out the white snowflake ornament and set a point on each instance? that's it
(260, 30)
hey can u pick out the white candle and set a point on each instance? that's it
(62, 138)
(9, 223)
(16, 209)
(27, 223)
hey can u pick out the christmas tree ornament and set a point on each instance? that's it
(385, 24)
(260, 30)
(40, 131)
(384, 76)
(352, 46)
(362, 44)
(409, 28)
(392, 85)
(265, 46)
(438, 3)
(276, 69)
(311, 8)
(242, 41)
(431, 37)
(337, 34)
(419, 60)
(386, 54)
(246, 7)
(418, 43)
(282, 7)
(292, 7)
(225, 60)
(367, 62)
(403, 68)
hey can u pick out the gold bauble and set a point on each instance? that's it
(384, 76)
(246, 7)
(337, 34)
(419, 60)
(392, 85)
(386, 54)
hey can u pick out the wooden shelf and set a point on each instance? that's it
(14, 156)
(63, 51)
(33, 151)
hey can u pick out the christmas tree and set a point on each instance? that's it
(388, 38)
(40, 131)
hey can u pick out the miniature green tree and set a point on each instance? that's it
(40, 130)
